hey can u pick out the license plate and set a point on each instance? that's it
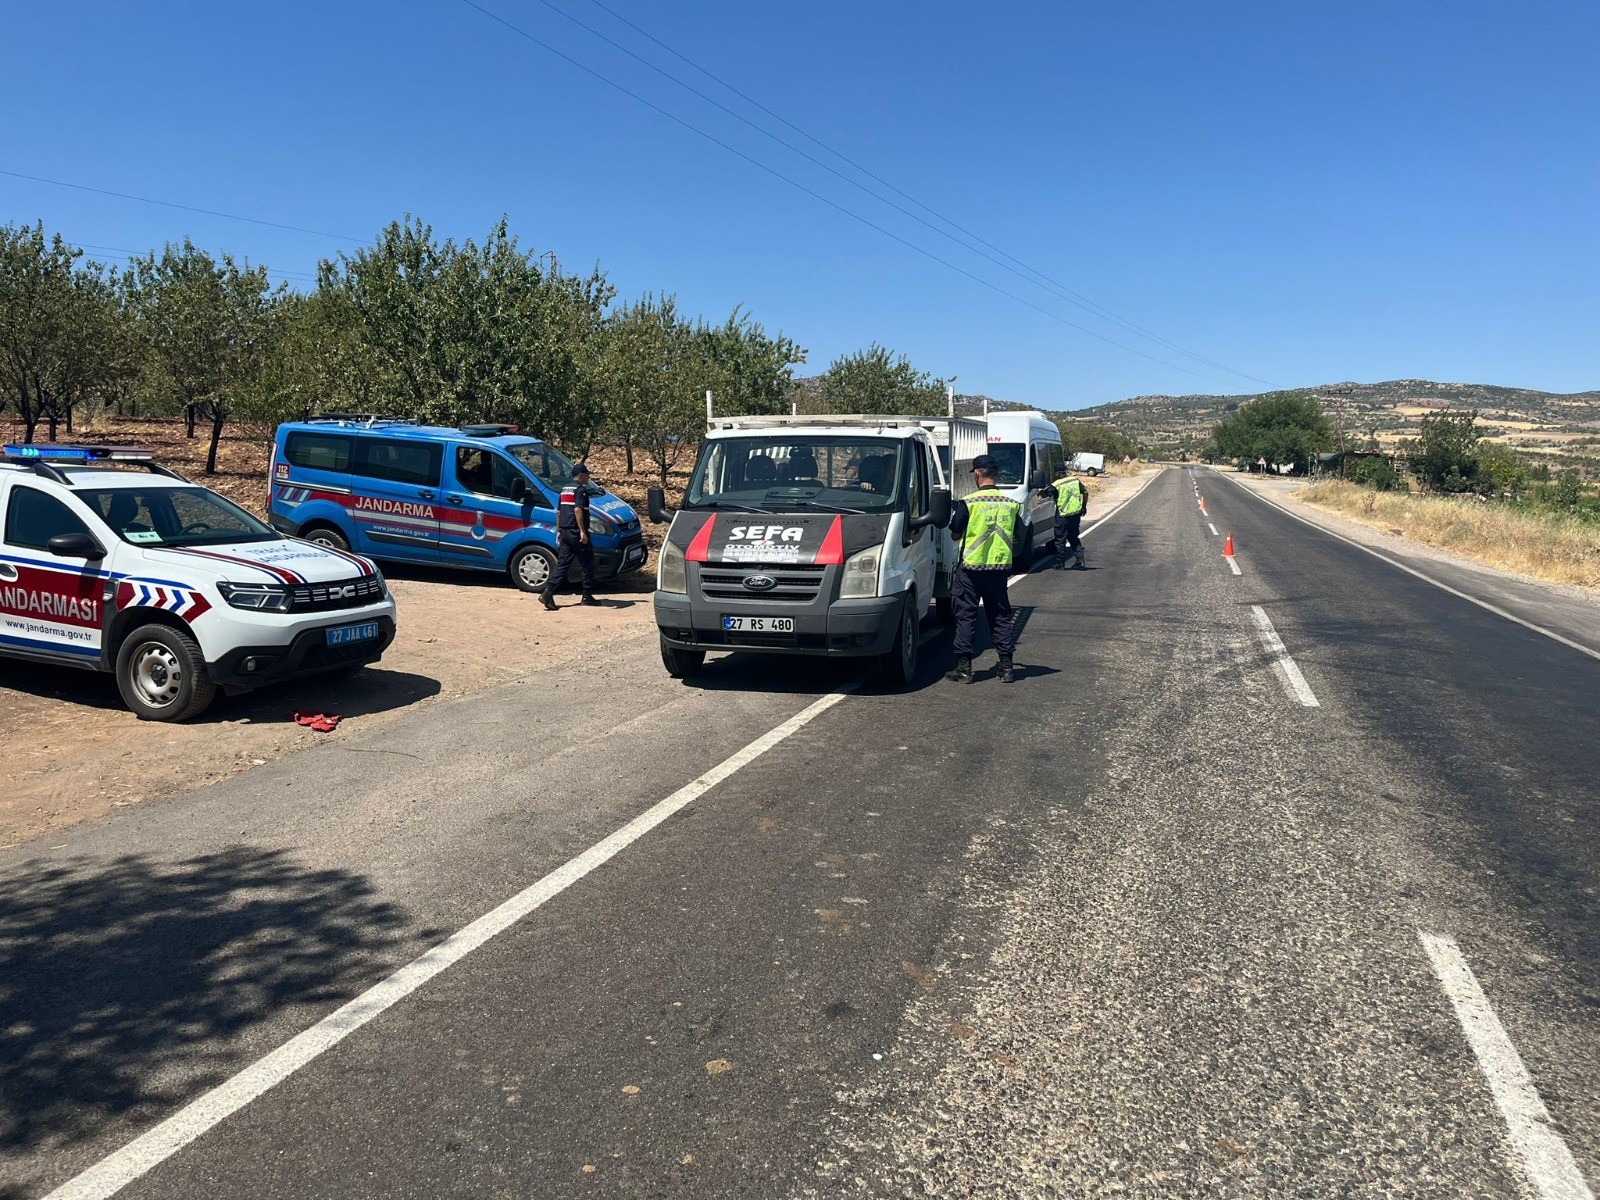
(758, 624)
(343, 635)
(635, 554)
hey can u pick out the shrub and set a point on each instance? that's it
(1371, 472)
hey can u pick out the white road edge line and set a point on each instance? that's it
(1545, 1158)
(1483, 604)
(1294, 682)
(156, 1145)
(1083, 533)
(1233, 565)
(1213, 529)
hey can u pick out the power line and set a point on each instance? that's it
(1031, 274)
(834, 204)
(210, 212)
(295, 275)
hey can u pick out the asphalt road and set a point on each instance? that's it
(1144, 923)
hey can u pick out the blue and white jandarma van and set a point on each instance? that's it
(480, 497)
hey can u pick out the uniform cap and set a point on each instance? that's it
(985, 462)
(580, 468)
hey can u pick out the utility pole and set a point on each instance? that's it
(1339, 396)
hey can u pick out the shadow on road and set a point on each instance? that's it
(123, 984)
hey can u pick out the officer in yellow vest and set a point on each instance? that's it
(1071, 501)
(985, 529)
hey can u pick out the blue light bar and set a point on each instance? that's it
(77, 454)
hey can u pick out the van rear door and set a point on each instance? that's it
(394, 484)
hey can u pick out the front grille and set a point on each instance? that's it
(796, 585)
(329, 597)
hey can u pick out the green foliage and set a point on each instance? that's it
(878, 381)
(1094, 438)
(1499, 471)
(1371, 472)
(208, 328)
(451, 334)
(1445, 458)
(755, 372)
(1286, 427)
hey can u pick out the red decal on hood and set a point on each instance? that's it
(700, 549)
(832, 550)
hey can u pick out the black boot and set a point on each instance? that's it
(548, 599)
(1008, 673)
(1078, 566)
(961, 672)
(589, 601)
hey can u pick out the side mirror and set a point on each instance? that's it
(519, 489)
(938, 514)
(657, 501)
(75, 545)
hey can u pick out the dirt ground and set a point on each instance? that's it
(74, 753)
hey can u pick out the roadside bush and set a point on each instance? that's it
(1371, 472)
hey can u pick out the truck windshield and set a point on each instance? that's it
(767, 474)
(1013, 460)
(174, 516)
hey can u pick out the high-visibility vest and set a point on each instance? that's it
(991, 528)
(1070, 496)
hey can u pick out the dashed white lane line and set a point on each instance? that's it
(155, 1146)
(1213, 529)
(1483, 604)
(1540, 1150)
(1232, 565)
(1289, 671)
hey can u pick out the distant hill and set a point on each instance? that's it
(1530, 420)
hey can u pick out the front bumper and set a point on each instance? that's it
(307, 654)
(625, 558)
(844, 629)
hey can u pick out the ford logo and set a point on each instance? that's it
(760, 583)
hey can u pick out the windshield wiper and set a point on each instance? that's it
(728, 504)
(833, 508)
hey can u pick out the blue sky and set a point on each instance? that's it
(1301, 193)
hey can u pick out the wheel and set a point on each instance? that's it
(681, 664)
(531, 567)
(1093, 471)
(162, 675)
(327, 535)
(944, 611)
(899, 666)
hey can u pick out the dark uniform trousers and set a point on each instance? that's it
(570, 548)
(987, 587)
(1067, 535)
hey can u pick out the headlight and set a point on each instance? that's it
(262, 597)
(602, 524)
(671, 573)
(860, 580)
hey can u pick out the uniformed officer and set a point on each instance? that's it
(572, 539)
(1072, 501)
(985, 526)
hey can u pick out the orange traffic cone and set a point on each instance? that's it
(1227, 549)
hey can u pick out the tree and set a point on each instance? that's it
(453, 333)
(1499, 471)
(1285, 427)
(207, 326)
(56, 321)
(653, 368)
(1095, 438)
(878, 381)
(1445, 457)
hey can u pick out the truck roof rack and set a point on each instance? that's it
(490, 430)
(786, 421)
(49, 460)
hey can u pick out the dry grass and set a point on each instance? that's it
(1544, 546)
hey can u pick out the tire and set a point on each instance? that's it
(899, 666)
(162, 675)
(1025, 552)
(327, 535)
(944, 611)
(531, 567)
(681, 664)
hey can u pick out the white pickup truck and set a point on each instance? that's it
(810, 535)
